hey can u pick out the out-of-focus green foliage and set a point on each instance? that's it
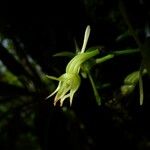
(21, 84)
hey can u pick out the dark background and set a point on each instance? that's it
(27, 121)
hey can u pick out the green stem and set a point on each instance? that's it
(116, 53)
(105, 58)
(124, 52)
(52, 77)
(141, 87)
(98, 98)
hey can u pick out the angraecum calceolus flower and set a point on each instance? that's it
(70, 81)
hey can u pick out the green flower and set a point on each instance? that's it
(69, 82)
(131, 81)
(68, 85)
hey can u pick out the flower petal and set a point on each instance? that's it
(54, 91)
(86, 37)
(62, 99)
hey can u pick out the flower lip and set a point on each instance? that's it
(68, 85)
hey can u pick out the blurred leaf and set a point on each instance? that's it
(65, 53)
(9, 90)
(12, 64)
(8, 77)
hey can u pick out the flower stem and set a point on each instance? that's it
(98, 98)
(116, 53)
(124, 52)
(105, 58)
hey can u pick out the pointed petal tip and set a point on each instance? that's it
(47, 97)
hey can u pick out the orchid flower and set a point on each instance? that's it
(131, 81)
(70, 81)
